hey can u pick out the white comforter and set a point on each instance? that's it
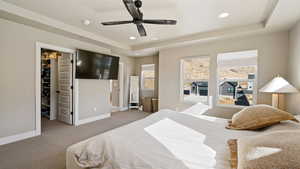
(164, 140)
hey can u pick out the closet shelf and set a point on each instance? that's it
(46, 105)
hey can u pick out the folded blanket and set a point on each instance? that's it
(100, 153)
(92, 155)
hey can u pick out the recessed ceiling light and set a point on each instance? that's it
(224, 15)
(86, 22)
(132, 38)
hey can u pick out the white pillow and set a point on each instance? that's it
(198, 109)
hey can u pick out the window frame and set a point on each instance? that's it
(143, 78)
(255, 82)
(181, 80)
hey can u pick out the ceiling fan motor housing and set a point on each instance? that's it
(138, 21)
(138, 3)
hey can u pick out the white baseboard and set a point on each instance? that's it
(17, 137)
(123, 108)
(115, 109)
(92, 119)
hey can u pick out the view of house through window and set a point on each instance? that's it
(195, 76)
(237, 73)
(148, 77)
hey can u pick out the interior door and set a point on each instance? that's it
(65, 91)
(115, 93)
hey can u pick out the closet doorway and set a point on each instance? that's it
(55, 89)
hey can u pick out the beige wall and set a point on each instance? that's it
(17, 72)
(139, 61)
(93, 103)
(293, 100)
(93, 98)
(272, 60)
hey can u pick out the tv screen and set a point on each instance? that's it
(91, 65)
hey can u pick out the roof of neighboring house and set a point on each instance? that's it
(233, 84)
(201, 84)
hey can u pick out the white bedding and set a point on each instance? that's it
(164, 140)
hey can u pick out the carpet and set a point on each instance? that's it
(48, 151)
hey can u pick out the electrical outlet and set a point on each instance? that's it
(95, 109)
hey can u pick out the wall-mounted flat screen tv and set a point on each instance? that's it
(91, 65)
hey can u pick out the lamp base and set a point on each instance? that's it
(278, 101)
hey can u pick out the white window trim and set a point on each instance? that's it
(142, 77)
(181, 78)
(255, 88)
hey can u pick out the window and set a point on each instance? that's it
(148, 77)
(195, 77)
(237, 74)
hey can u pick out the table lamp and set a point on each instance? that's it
(278, 87)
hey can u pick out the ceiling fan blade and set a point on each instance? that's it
(141, 30)
(116, 23)
(160, 21)
(132, 9)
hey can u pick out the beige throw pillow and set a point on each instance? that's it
(258, 116)
(275, 150)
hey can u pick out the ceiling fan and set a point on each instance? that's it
(133, 8)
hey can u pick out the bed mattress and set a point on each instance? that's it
(165, 140)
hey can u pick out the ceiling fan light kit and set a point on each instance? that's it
(133, 8)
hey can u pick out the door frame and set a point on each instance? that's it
(121, 86)
(39, 47)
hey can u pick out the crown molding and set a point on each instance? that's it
(215, 34)
(27, 17)
(20, 15)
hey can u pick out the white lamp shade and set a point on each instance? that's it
(278, 85)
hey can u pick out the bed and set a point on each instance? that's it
(163, 140)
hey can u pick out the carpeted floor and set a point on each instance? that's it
(48, 151)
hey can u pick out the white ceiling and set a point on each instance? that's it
(195, 17)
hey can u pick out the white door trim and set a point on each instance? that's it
(39, 46)
(121, 89)
(75, 95)
(121, 85)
